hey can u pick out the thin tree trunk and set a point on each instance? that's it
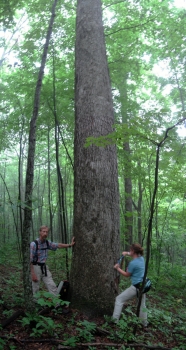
(30, 172)
(49, 188)
(128, 211)
(128, 198)
(152, 208)
(61, 189)
(20, 181)
(140, 193)
(20, 191)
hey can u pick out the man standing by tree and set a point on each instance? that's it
(38, 256)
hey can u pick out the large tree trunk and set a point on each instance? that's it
(96, 197)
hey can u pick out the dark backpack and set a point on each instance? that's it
(147, 285)
(146, 288)
(63, 290)
(36, 243)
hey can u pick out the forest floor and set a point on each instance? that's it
(59, 329)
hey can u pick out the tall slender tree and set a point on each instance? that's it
(96, 198)
(30, 170)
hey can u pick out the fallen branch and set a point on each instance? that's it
(102, 331)
(18, 313)
(12, 318)
(57, 341)
(123, 344)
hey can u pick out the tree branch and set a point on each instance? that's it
(57, 341)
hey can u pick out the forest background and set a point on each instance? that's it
(145, 44)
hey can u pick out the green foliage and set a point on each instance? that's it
(12, 347)
(12, 288)
(2, 344)
(72, 321)
(46, 299)
(124, 327)
(169, 273)
(7, 313)
(159, 317)
(71, 341)
(5, 343)
(168, 322)
(139, 38)
(85, 330)
(8, 252)
(57, 261)
(84, 333)
(39, 324)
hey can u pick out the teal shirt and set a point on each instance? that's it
(136, 268)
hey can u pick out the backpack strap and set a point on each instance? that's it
(36, 255)
(47, 244)
(36, 243)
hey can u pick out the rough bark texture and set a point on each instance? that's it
(96, 196)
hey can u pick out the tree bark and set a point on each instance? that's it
(128, 197)
(96, 196)
(128, 211)
(30, 172)
(49, 188)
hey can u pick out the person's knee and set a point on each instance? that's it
(119, 301)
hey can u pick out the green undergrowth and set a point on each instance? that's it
(166, 306)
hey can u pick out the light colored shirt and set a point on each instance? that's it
(136, 268)
(42, 252)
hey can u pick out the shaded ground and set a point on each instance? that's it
(166, 328)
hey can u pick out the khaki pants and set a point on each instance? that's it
(48, 280)
(122, 298)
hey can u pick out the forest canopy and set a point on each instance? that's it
(145, 43)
